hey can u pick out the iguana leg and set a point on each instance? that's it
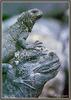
(34, 45)
(22, 42)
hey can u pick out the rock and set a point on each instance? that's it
(50, 27)
(64, 38)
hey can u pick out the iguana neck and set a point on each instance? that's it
(26, 25)
(19, 27)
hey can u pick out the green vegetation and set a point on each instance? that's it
(5, 17)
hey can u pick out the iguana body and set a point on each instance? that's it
(34, 68)
(16, 35)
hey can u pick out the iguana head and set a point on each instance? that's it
(28, 18)
(35, 72)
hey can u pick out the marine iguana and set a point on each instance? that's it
(30, 70)
(16, 35)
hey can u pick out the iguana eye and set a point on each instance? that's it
(51, 54)
(34, 11)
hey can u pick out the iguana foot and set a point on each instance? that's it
(36, 45)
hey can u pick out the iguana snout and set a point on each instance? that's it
(35, 13)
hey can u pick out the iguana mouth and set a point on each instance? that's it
(46, 68)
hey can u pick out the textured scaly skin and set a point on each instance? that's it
(14, 38)
(27, 77)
